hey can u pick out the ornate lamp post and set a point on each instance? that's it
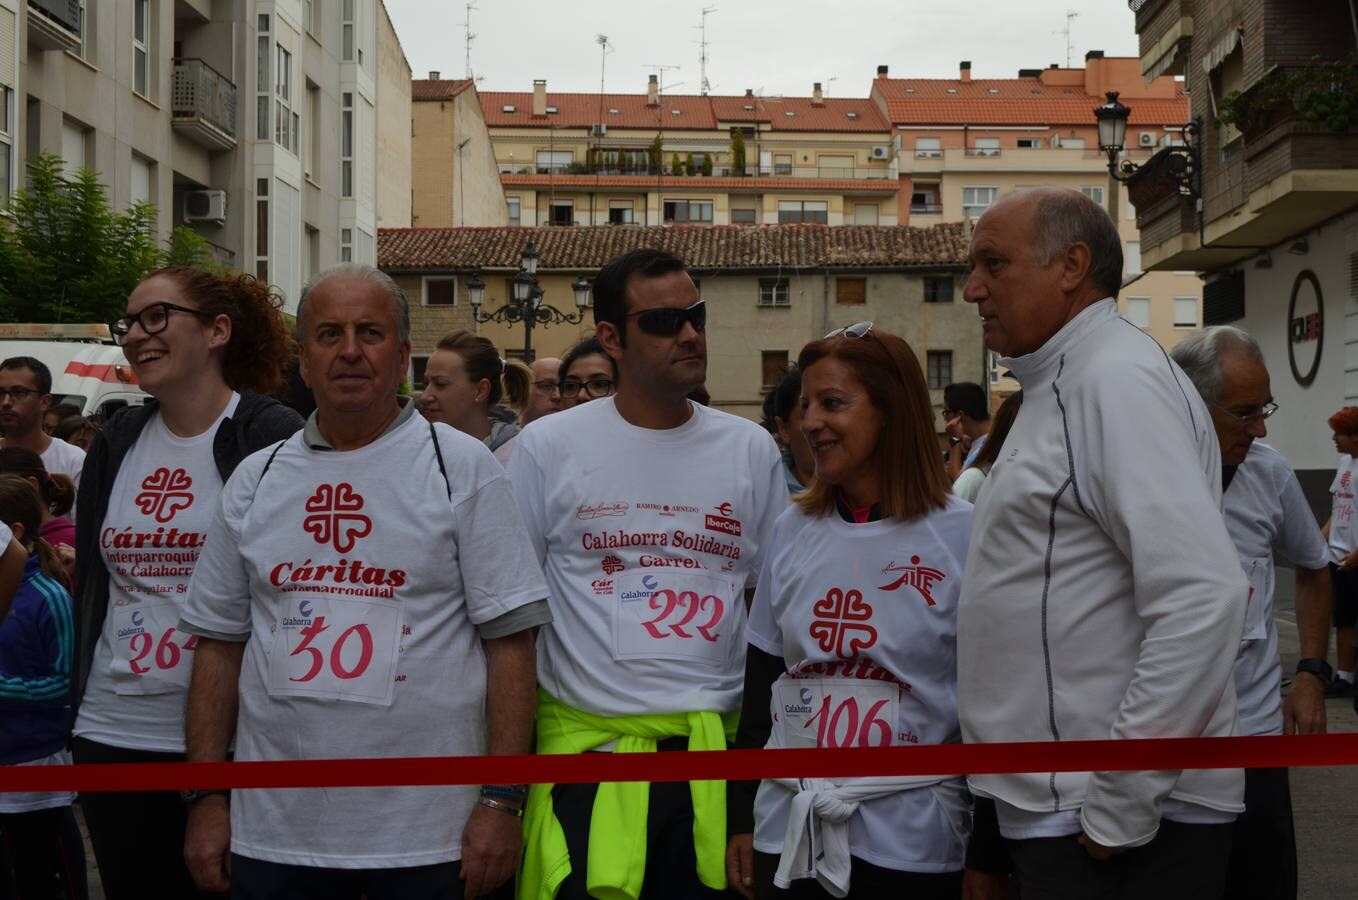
(1180, 165)
(525, 303)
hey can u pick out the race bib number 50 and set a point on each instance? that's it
(336, 648)
(681, 615)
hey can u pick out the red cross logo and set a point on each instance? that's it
(921, 578)
(334, 516)
(612, 565)
(164, 493)
(840, 625)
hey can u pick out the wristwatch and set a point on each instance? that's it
(192, 797)
(1317, 667)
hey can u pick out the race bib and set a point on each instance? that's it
(150, 654)
(837, 712)
(673, 615)
(1260, 574)
(336, 648)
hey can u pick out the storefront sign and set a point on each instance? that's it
(1305, 327)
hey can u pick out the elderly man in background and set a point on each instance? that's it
(545, 397)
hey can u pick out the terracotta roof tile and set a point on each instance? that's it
(1015, 101)
(702, 247)
(833, 114)
(424, 89)
(584, 110)
(713, 183)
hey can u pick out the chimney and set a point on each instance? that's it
(653, 91)
(539, 96)
(749, 92)
(1093, 54)
(965, 73)
(817, 95)
(433, 75)
(881, 71)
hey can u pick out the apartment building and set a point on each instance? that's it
(253, 122)
(769, 291)
(1271, 216)
(964, 142)
(456, 181)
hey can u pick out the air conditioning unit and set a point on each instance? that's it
(598, 130)
(1147, 139)
(1056, 140)
(205, 206)
(881, 151)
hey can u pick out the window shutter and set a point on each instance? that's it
(7, 24)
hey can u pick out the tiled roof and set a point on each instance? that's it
(702, 247)
(833, 113)
(713, 183)
(424, 89)
(1010, 101)
(695, 112)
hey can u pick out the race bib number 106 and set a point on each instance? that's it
(836, 712)
(337, 649)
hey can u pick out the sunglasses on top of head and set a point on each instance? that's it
(669, 320)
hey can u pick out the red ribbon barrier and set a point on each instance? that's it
(939, 759)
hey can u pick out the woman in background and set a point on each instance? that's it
(587, 373)
(968, 484)
(465, 380)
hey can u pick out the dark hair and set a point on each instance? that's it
(63, 411)
(787, 392)
(909, 466)
(610, 287)
(19, 502)
(70, 426)
(966, 397)
(257, 356)
(510, 379)
(999, 430)
(588, 347)
(41, 374)
(57, 490)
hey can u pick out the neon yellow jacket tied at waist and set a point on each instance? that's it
(617, 832)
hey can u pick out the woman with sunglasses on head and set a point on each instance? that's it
(208, 349)
(587, 373)
(852, 641)
(465, 380)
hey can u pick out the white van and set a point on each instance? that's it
(89, 371)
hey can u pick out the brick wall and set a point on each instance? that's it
(430, 323)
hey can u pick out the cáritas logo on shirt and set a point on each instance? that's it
(334, 518)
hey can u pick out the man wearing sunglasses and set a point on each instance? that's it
(650, 514)
(25, 395)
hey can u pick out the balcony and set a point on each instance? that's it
(1164, 28)
(837, 173)
(204, 105)
(1037, 160)
(54, 24)
(926, 209)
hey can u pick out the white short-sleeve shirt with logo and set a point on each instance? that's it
(1266, 511)
(360, 582)
(162, 501)
(1343, 531)
(648, 539)
(864, 616)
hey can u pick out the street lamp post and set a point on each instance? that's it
(1180, 165)
(525, 303)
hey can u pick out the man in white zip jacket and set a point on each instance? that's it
(1102, 596)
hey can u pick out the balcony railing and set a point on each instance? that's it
(774, 171)
(983, 151)
(926, 209)
(204, 104)
(54, 24)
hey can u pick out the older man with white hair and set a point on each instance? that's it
(1266, 513)
(1102, 597)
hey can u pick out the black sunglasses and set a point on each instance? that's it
(668, 320)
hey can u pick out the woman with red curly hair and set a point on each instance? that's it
(1342, 532)
(208, 348)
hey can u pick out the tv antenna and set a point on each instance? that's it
(1071, 15)
(703, 85)
(467, 25)
(604, 50)
(660, 76)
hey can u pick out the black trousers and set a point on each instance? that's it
(1184, 862)
(1264, 846)
(866, 882)
(255, 879)
(46, 856)
(138, 837)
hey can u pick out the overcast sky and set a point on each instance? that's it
(781, 46)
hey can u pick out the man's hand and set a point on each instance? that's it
(977, 885)
(1304, 708)
(740, 864)
(492, 844)
(1098, 851)
(1349, 561)
(207, 843)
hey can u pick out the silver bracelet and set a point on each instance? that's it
(514, 811)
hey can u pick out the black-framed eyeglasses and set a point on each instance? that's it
(594, 388)
(153, 320)
(547, 386)
(1250, 418)
(17, 394)
(856, 330)
(667, 320)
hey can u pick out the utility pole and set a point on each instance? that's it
(467, 26)
(703, 86)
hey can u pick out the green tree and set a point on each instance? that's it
(66, 256)
(707, 164)
(657, 155)
(689, 166)
(677, 165)
(737, 152)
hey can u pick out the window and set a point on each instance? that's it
(554, 160)
(774, 364)
(6, 128)
(263, 58)
(142, 180)
(514, 206)
(1185, 312)
(976, 200)
(937, 290)
(620, 212)
(987, 147)
(1132, 257)
(927, 148)
(347, 40)
(865, 213)
(924, 201)
(744, 216)
(309, 16)
(1029, 143)
(814, 212)
(1073, 143)
(782, 164)
(940, 369)
(141, 38)
(774, 292)
(346, 245)
(851, 290)
(262, 229)
(285, 119)
(562, 213)
(418, 364)
(1139, 311)
(73, 140)
(347, 144)
(688, 212)
(439, 291)
(1093, 192)
(313, 254)
(313, 128)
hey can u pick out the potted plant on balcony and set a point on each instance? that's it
(657, 155)
(1324, 92)
(677, 165)
(689, 166)
(737, 152)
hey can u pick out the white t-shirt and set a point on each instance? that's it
(865, 618)
(65, 459)
(5, 537)
(359, 583)
(1343, 532)
(968, 484)
(159, 509)
(648, 539)
(1265, 511)
(30, 801)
